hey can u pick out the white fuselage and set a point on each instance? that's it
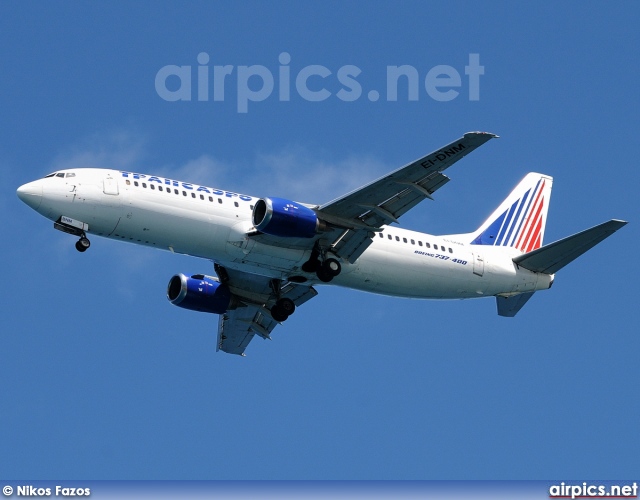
(213, 224)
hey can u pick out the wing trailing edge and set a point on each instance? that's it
(550, 258)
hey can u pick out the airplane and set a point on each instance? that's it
(269, 254)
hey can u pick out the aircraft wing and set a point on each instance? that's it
(256, 294)
(383, 201)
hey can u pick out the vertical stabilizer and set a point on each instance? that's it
(520, 220)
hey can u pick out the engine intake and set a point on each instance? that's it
(280, 217)
(199, 293)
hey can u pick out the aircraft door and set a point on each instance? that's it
(478, 264)
(110, 185)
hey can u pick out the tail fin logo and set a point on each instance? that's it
(520, 225)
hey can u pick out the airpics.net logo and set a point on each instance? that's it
(314, 83)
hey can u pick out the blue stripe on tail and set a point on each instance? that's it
(501, 231)
(488, 237)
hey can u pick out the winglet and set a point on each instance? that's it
(493, 136)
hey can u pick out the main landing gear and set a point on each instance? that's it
(325, 269)
(83, 244)
(282, 309)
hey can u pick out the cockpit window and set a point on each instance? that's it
(50, 175)
(70, 174)
(61, 174)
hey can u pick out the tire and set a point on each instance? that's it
(287, 306)
(278, 314)
(311, 266)
(323, 276)
(80, 247)
(331, 267)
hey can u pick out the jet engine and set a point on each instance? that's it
(199, 293)
(280, 217)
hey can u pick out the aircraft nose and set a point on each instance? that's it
(31, 194)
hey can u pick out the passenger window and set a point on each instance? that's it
(193, 195)
(251, 207)
(236, 204)
(210, 198)
(381, 235)
(202, 197)
(152, 186)
(450, 250)
(419, 243)
(390, 237)
(159, 188)
(184, 193)
(397, 238)
(144, 184)
(442, 248)
(427, 245)
(128, 182)
(176, 191)
(404, 239)
(413, 242)
(135, 183)
(219, 200)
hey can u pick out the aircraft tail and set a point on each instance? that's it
(550, 258)
(520, 220)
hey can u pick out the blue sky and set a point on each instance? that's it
(103, 379)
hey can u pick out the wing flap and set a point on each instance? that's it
(237, 327)
(550, 258)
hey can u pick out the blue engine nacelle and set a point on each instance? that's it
(199, 293)
(280, 217)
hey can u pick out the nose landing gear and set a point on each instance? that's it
(75, 227)
(83, 244)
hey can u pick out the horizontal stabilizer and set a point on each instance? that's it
(509, 306)
(550, 258)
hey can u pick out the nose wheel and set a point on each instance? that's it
(83, 244)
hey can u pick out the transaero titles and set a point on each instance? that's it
(185, 185)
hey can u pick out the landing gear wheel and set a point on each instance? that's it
(311, 266)
(331, 267)
(286, 305)
(82, 244)
(278, 314)
(323, 275)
